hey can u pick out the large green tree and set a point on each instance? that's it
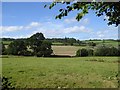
(17, 47)
(39, 46)
(2, 49)
(110, 9)
(35, 42)
(45, 49)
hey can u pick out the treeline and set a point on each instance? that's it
(7, 39)
(36, 45)
(99, 51)
(61, 40)
(58, 41)
(103, 39)
(70, 41)
(67, 41)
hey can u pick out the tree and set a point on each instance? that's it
(101, 50)
(2, 49)
(82, 52)
(92, 44)
(17, 47)
(90, 52)
(110, 9)
(106, 51)
(39, 46)
(45, 49)
(113, 51)
(35, 42)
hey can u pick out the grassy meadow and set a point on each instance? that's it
(49, 72)
(106, 42)
(82, 72)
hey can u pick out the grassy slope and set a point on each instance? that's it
(6, 42)
(61, 72)
(106, 42)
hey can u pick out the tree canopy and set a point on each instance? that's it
(17, 47)
(36, 45)
(39, 46)
(110, 9)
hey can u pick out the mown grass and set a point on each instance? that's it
(83, 72)
(65, 50)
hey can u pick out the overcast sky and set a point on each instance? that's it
(22, 19)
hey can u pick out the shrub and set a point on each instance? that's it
(82, 52)
(106, 51)
(17, 48)
(113, 51)
(2, 49)
(6, 84)
(92, 44)
(28, 53)
(90, 52)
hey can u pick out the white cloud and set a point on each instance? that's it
(73, 20)
(112, 27)
(49, 29)
(16, 28)
(104, 34)
(70, 20)
(32, 25)
(76, 29)
(58, 30)
(10, 28)
(85, 21)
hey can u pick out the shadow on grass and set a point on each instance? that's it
(62, 56)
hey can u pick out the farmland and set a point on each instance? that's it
(64, 72)
(59, 44)
(65, 50)
(106, 42)
(83, 72)
(61, 49)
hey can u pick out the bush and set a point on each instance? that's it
(99, 51)
(106, 51)
(39, 54)
(90, 52)
(113, 51)
(17, 48)
(28, 53)
(82, 52)
(6, 84)
(92, 44)
(2, 49)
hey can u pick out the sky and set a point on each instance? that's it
(23, 19)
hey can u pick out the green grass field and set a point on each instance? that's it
(106, 42)
(6, 42)
(82, 72)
